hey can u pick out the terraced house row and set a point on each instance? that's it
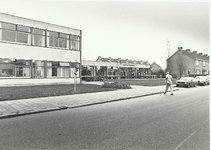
(188, 63)
(113, 68)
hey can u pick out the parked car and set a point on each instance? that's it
(186, 82)
(202, 80)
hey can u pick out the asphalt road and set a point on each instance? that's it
(158, 122)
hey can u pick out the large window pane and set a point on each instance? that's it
(75, 42)
(38, 40)
(8, 35)
(58, 69)
(38, 69)
(75, 45)
(38, 37)
(22, 71)
(23, 37)
(8, 26)
(63, 72)
(14, 68)
(49, 72)
(7, 67)
(63, 43)
(23, 68)
(53, 42)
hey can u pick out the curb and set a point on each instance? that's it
(114, 100)
(29, 113)
(66, 107)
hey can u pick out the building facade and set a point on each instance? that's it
(187, 63)
(38, 52)
(157, 70)
(110, 68)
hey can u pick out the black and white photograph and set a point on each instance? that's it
(104, 75)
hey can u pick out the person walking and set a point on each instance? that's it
(169, 81)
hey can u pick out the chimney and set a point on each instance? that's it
(180, 48)
(195, 52)
(99, 58)
(187, 50)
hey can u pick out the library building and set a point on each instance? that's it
(38, 52)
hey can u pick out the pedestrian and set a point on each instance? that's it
(168, 81)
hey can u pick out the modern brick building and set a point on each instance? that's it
(187, 63)
(37, 52)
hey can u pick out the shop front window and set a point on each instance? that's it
(58, 69)
(22, 71)
(38, 69)
(22, 68)
(7, 67)
(14, 68)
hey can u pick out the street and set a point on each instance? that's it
(157, 122)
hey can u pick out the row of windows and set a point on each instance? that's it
(35, 68)
(200, 62)
(38, 37)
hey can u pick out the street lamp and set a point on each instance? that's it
(119, 70)
(76, 68)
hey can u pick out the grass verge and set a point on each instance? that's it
(26, 92)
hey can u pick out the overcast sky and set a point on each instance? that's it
(133, 30)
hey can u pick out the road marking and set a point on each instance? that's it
(184, 140)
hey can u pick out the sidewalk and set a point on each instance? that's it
(20, 107)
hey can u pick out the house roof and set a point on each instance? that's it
(109, 59)
(194, 54)
(155, 65)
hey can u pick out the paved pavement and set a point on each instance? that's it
(13, 108)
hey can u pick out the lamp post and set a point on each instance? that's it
(119, 70)
(76, 68)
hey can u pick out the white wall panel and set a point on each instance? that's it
(37, 24)
(37, 53)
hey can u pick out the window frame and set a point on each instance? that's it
(39, 35)
(14, 33)
(72, 40)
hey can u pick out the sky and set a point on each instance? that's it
(135, 30)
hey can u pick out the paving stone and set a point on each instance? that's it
(9, 108)
(48, 103)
